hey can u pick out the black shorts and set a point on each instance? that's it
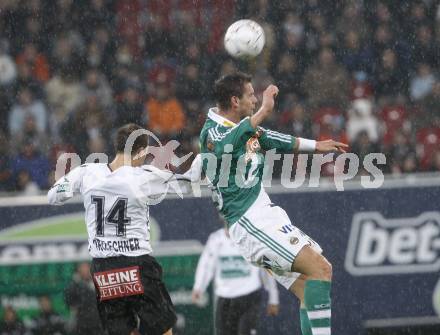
(238, 316)
(129, 288)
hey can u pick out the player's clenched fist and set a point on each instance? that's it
(269, 95)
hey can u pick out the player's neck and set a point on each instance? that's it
(119, 161)
(229, 115)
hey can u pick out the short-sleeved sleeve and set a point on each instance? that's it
(270, 139)
(237, 136)
(66, 187)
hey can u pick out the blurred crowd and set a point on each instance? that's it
(71, 72)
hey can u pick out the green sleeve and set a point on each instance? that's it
(271, 139)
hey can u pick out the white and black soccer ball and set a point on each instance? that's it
(244, 38)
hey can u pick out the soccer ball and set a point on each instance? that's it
(244, 38)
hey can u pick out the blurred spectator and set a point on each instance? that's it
(189, 84)
(96, 14)
(25, 79)
(424, 48)
(389, 75)
(400, 149)
(362, 145)
(316, 28)
(417, 18)
(287, 76)
(185, 30)
(34, 31)
(409, 164)
(27, 106)
(11, 325)
(8, 70)
(25, 185)
(326, 83)
(102, 56)
(31, 133)
(122, 77)
(431, 107)
(394, 118)
(36, 61)
(352, 20)
(63, 95)
(192, 112)
(293, 37)
(65, 58)
(383, 38)
(158, 40)
(29, 159)
(131, 108)
(48, 322)
(123, 55)
(87, 127)
(165, 114)
(67, 18)
(361, 119)
(421, 84)
(329, 123)
(80, 296)
(360, 87)
(193, 54)
(382, 14)
(96, 84)
(435, 165)
(356, 56)
(428, 142)
(5, 170)
(296, 122)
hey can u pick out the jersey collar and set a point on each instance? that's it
(212, 114)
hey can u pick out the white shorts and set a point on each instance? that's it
(266, 238)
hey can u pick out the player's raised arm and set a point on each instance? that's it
(66, 187)
(266, 106)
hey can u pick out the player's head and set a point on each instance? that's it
(235, 92)
(140, 143)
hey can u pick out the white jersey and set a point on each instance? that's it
(116, 204)
(233, 275)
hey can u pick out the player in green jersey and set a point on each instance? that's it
(261, 230)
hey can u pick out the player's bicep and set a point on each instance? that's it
(282, 143)
(66, 187)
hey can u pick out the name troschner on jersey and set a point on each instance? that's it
(117, 204)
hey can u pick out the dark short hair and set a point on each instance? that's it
(122, 135)
(229, 86)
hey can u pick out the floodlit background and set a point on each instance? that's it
(362, 72)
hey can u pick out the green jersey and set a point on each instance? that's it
(237, 174)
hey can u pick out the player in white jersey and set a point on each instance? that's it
(237, 286)
(116, 197)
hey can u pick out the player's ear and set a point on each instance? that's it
(235, 101)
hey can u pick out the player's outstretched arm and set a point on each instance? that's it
(267, 105)
(305, 145)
